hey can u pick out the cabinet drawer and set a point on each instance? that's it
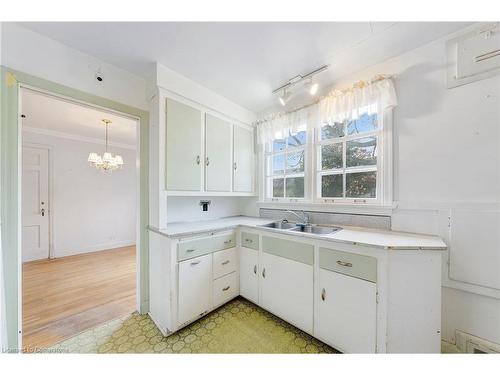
(224, 262)
(192, 248)
(250, 240)
(360, 266)
(225, 289)
(297, 251)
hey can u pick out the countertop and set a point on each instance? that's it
(350, 235)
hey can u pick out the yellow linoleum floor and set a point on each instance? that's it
(237, 327)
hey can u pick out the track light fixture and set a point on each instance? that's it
(285, 97)
(311, 86)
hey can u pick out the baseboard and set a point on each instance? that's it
(57, 253)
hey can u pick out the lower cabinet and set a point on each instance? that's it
(249, 274)
(346, 312)
(195, 279)
(286, 290)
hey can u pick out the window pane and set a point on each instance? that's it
(365, 123)
(278, 187)
(278, 145)
(298, 139)
(331, 156)
(295, 187)
(361, 152)
(361, 185)
(295, 162)
(331, 186)
(278, 164)
(330, 131)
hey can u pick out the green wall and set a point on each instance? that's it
(9, 160)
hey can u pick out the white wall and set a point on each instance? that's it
(91, 210)
(35, 54)
(189, 209)
(446, 144)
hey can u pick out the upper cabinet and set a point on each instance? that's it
(243, 160)
(217, 154)
(207, 154)
(184, 147)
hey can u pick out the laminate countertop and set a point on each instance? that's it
(386, 239)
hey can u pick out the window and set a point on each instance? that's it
(285, 167)
(347, 159)
(342, 162)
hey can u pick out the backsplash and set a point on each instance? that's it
(329, 218)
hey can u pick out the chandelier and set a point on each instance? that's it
(106, 162)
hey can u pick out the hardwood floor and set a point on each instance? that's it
(65, 296)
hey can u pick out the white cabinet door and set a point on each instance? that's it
(347, 311)
(287, 290)
(195, 277)
(243, 163)
(184, 141)
(218, 163)
(249, 277)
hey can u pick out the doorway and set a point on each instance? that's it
(79, 219)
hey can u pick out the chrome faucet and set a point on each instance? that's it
(304, 219)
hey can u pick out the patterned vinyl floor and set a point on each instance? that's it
(237, 327)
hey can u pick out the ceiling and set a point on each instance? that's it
(52, 114)
(245, 61)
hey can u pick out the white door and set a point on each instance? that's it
(243, 166)
(347, 312)
(35, 203)
(287, 290)
(218, 163)
(249, 274)
(195, 289)
(184, 125)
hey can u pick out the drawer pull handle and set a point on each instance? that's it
(264, 273)
(226, 262)
(323, 294)
(228, 241)
(226, 288)
(255, 269)
(195, 263)
(248, 240)
(344, 264)
(190, 250)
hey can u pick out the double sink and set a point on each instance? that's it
(307, 228)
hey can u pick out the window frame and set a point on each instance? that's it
(313, 172)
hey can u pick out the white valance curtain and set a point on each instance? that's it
(337, 106)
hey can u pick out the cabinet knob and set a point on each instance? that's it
(228, 241)
(189, 250)
(226, 262)
(264, 273)
(255, 269)
(248, 240)
(195, 263)
(226, 288)
(198, 160)
(323, 294)
(235, 166)
(207, 161)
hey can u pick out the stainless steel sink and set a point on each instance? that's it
(278, 225)
(316, 229)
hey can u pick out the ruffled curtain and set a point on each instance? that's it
(281, 125)
(337, 106)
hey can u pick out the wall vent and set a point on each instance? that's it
(474, 55)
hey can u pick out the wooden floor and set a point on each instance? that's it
(65, 296)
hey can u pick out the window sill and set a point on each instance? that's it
(347, 208)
